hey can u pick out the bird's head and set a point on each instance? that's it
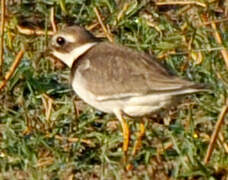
(70, 43)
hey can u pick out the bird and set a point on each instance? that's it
(117, 79)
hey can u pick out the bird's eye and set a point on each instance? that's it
(60, 41)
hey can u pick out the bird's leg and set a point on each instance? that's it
(138, 142)
(125, 129)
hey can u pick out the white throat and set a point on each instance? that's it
(69, 58)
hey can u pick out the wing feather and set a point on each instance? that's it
(111, 71)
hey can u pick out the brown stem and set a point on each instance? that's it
(2, 34)
(215, 133)
(12, 69)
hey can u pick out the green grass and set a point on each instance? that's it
(174, 34)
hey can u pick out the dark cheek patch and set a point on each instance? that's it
(67, 48)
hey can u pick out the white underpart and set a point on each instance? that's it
(69, 58)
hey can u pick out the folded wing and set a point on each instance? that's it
(112, 71)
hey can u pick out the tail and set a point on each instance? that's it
(190, 89)
(200, 87)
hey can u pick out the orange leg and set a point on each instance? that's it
(138, 142)
(125, 129)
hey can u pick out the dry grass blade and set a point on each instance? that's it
(122, 11)
(222, 139)
(52, 19)
(72, 140)
(28, 31)
(216, 21)
(48, 102)
(2, 34)
(217, 36)
(216, 132)
(108, 35)
(12, 69)
(45, 162)
(92, 26)
(181, 3)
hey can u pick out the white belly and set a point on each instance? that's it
(142, 105)
(80, 88)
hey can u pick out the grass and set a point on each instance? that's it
(175, 142)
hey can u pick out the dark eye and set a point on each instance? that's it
(60, 41)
